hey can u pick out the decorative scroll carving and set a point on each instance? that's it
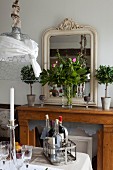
(69, 24)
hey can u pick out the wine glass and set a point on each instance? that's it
(87, 99)
(4, 147)
(42, 98)
(27, 150)
(18, 160)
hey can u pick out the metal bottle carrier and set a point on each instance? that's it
(59, 156)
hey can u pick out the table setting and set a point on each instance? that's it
(22, 161)
(35, 160)
(16, 156)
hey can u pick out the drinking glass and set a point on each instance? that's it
(18, 160)
(87, 99)
(27, 150)
(4, 150)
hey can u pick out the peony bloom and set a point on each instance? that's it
(74, 60)
(53, 65)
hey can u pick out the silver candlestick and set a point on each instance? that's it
(12, 127)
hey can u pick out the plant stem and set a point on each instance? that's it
(31, 89)
(106, 86)
(69, 95)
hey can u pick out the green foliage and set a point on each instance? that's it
(65, 71)
(28, 76)
(104, 75)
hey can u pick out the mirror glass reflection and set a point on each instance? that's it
(70, 46)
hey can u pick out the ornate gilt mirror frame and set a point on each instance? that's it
(69, 28)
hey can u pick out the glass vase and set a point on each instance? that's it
(67, 96)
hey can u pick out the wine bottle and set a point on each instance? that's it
(58, 138)
(51, 148)
(63, 131)
(52, 130)
(46, 128)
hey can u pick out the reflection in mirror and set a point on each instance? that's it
(70, 39)
(70, 46)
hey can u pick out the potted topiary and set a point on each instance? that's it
(28, 76)
(104, 75)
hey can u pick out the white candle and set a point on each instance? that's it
(12, 104)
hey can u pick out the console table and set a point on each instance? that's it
(76, 114)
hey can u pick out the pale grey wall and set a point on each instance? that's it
(37, 15)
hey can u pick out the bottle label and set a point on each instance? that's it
(58, 140)
(51, 145)
(62, 136)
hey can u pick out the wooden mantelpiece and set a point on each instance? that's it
(76, 114)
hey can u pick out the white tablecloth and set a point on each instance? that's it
(10, 166)
(39, 162)
(82, 162)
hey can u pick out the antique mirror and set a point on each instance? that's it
(70, 38)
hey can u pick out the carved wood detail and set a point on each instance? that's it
(69, 24)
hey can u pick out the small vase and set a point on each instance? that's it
(67, 96)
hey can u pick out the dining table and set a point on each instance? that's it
(40, 162)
